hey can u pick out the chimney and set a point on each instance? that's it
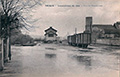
(88, 27)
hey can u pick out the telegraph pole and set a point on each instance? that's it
(75, 30)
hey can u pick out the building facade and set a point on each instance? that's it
(51, 34)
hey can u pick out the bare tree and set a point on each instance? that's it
(12, 17)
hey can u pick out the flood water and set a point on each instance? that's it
(53, 60)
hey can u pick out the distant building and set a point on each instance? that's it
(106, 31)
(51, 34)
(102, 31)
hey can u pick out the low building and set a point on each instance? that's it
(106, 31)
(50, 34)
(103, 33)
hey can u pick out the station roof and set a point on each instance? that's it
(50, 28)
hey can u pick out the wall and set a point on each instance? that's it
(115, 41)
(50, 38)
(103, 41)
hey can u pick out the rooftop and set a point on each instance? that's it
(104, 26)
(50, 28)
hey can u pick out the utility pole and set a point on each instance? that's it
(67, 33)
(75, 30)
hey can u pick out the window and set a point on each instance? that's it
(50, 35)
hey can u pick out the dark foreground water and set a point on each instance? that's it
(51, 60)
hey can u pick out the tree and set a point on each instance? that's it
(12, 17)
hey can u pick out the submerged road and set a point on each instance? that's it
(53, 60)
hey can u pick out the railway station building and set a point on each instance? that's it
(51, 34)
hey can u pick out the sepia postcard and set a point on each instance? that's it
(59, 38)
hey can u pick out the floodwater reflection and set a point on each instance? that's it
(48, 55)
(84, 60)
(61, 61)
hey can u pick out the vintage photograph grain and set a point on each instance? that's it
(59, 38)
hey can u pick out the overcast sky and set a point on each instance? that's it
(66, 19)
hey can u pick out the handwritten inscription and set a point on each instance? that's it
(73, 5)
